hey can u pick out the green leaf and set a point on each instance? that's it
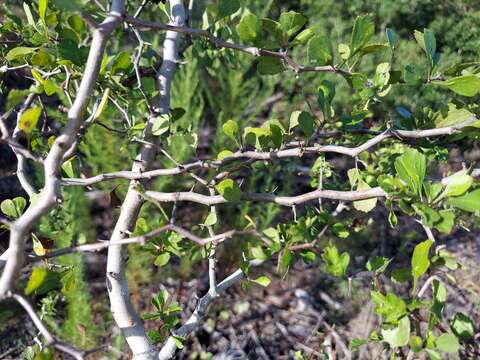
(42, 8)
(446, 222)
(462, 326)
(268, 65)
(391, 307)
(29, 14)
(229, 190)
(223, 154)
(465, 85)
(468, 202)
(179, 341)
(230, 128)
(447, 343)
(340, 230)
(363, 30)
(306, 123)
(420, 260)
(430, 44)
(68, 281)
(161, 124)
(454, 116)
(275, 28)
(320, 51)
(382, 75)
(378, 264)
(29, 119)
(103, 104)
(121, 62)
(227, 8)
(416, 343)
(19, 52)
(335, 264)
(13, 208)
(344, 51)
(211, 219)
(162, 259)
(303, 37)
(366, 205)
(249, 28)
(458, 184)
(398, 336)
(16, 97)
(433, 355)
(50, 87)
(36, 279)
(411, 167)
(262, 281)
(356, 343)
(291, 22)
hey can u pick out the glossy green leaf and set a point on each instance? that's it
(468, 202)
(335, 263)
(230, 128)
(291, 22)
(162, 259)
(161, 124)
(249, 28)
(366, 205)
(398, 336)
(458, 184)
(462, 326)
(416, 343)
(42, 8)
(28, 120)
(363, 30)
(320, 51)
(306, 124)
(211, 219)
(420, 259)
(229, 190)
(19, 53)
(102, 105)
(390, 306)
(270, 66)
(13, 208)
(411, 167)
(38, 276)
(121, 62)
(262, 281)
(344, 51)
(466, 85)
(447, 343)
(227, 8)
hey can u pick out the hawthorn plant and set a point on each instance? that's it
(89, 67)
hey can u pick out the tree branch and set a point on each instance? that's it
(210, 200)
(51, 193)
(142, 239)
(169, 348)
(122, 310)
(255, 51)
(298, 151)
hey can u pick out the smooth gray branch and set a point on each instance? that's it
(298, 151)
(210, 200)
(51, 193)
